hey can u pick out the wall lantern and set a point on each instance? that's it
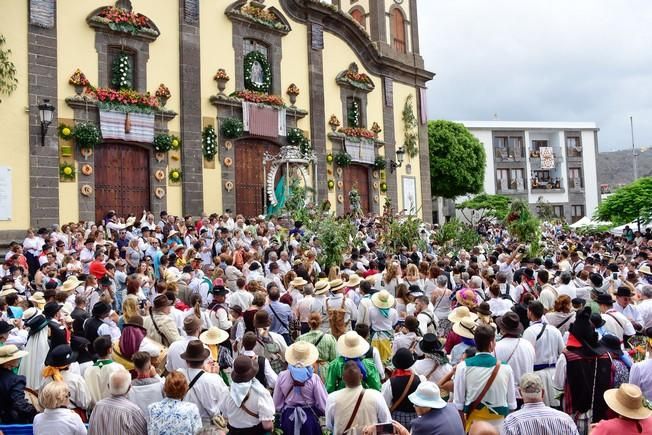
(45, 114)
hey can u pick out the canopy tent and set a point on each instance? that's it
(618, 231)
(588, 222)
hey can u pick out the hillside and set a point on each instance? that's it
(617, 167)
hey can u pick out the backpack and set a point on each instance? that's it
(336, 318)
(271, 351)
(209, 283)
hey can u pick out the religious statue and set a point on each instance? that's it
(257, 76)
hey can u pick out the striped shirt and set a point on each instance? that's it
(537, 418)
(326, 345)
(117, 415)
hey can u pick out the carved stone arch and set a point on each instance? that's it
(149, 32)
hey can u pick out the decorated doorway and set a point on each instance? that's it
(356, 177)
(121, 179)
(250, 177)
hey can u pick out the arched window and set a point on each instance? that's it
(397, 28)
(357, 14)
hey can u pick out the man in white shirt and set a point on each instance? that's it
(147, 388)
(566, 287)
(624, 306)
(87, 254)
(241, 297)
(615, 322)
(274, 276)
(97, 376)
(427, 320)
(513, 350)
(645, 306)
(284, 263)
(192, 328)
(548, 294)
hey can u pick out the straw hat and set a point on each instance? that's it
(298, 282)
(10, 353)
(70, 284)
(464, 328)
(301, 354)
(131, 220)
(460, 313)
(645, 270)
(213, 335)
(38, 299)
(321, 287)
(352, 345)
(7, 289)
(627, 400)
(467, 297)
(171, 277)
(382, 299)
(354, 281)
(336, 285)
(29, 313)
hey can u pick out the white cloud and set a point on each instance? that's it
(556, 60)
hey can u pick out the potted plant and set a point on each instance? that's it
(79, 81)
(221, 77)
(162, 143)
(293, 92)
(342, 159)
(375, 128)
(380, 163)
(87, 135)
(231, 128)
(163, 94)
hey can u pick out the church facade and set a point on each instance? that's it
(197, 106)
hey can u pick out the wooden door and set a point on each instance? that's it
(250, 178)
(121, 179)
(356, 176)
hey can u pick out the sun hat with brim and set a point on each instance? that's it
(301, 354)
(597, 320)
(29, 313)
(430, 344)
(464, 328)
(427, 395)
(604, 299)
(38, 298)
(352, 345)
(10, 353)
(244, 369)
(162, 301)
(213, 335)
(460, 313)
(628, 401)
(382, 299)
(510, 323)
(195, 351)
(336, 285)
(354, 281)
(8, 291)
(101, 309)
(171, 277)
(624, 292)
(484, 309)
(298, 282)
(645, 270)
(321, 287)
(70, 284)
(403, 359)
(60, 356)
(467, 297)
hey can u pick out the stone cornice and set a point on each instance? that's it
(225, 100)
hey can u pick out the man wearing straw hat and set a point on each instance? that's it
(352, 347)
(633, 411)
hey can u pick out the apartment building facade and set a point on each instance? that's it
(550, 161)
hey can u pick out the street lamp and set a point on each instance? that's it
(45, 114)
(400, 154)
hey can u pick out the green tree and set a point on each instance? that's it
(487, 206)
(454, 236)
(457, 160)
(8, 80)
(632, 202)
(545, 210)
(524, 226)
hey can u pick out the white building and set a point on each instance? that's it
(555, 161)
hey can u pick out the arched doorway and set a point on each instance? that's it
(356, 176)
(250, 178)
(121, 179)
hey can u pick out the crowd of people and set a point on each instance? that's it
(225, 324)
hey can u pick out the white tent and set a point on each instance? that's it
(587, 222)
(618, 231)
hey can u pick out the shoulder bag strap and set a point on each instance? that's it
(283, 324)
(319, 339)
(490, 381)
(355, 411)
(616, 319)
(565, 320)
(541, 332)
(433, 370)
(247, 410)
(513, 351)
(343, 301)
(163, 337)
(400, 400)
(194, 380)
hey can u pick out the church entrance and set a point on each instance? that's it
(121, 179)
(250, 178)
(356, 176)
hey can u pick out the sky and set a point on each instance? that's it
(552, 60)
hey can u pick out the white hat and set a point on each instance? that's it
(298, 282)
(382, 299)
(352, 345)
(354, 281)
(427, 395)
(301, 354)
(213, 335)
(460, 313)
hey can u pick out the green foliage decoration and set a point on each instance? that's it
(396, 233)
(175, 175)
(524, 226)
(410, 127)
(209, 142)
(87, 135)
(162, 143)
(249, 60)
(122, 74)
(457, 160)
(295, 136)
(380, 163)
(65, 131)
(231, 128)
(335, 235)
(8, 79)
(454, 236)
(342, 159)
(67, 171)
(353, 115)
(487, 206)
(632, 202)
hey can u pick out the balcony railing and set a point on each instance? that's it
(574, 152)
(553, 186)
(509, 154)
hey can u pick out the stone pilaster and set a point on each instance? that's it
(317, 109)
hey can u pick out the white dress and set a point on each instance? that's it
(32, 364)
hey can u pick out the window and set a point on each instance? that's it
(397, 27)
(502, 178)
(353, 112)
(577, 213)
(575, 177)
(516, 179)
(558, 210)
(357, 14)
(542, 175)
(508, 147)
(253, 45)
(121, 72)
(538, 144)
(574, 146)
(516, 147)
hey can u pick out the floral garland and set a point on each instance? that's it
(162, 143)
(87, 135)
(175, 175)
(67, 171)
(260, 98)
(231, 128)
(78, 78)
(209, 143)
(124, 100)
(65, 131)
(263, 16)
(123, 20)
(122, 72)
(357, 132)
(353, 115)
(249, 60)
(163, 91)
(334, 122)
(410, 126)
(343, 159)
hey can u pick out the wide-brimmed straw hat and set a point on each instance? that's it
(354, 281)
(627, 400)
(10, 352)
(70, 284)
(321, 287)
(298, 282)
(301, 354)
(195, 351)
(645, 270)
(464, 328)
(382, 299)
(244, 369)
(213, 335)
(38, 299)
(352, 345)
(460, 313)
(336, 285)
